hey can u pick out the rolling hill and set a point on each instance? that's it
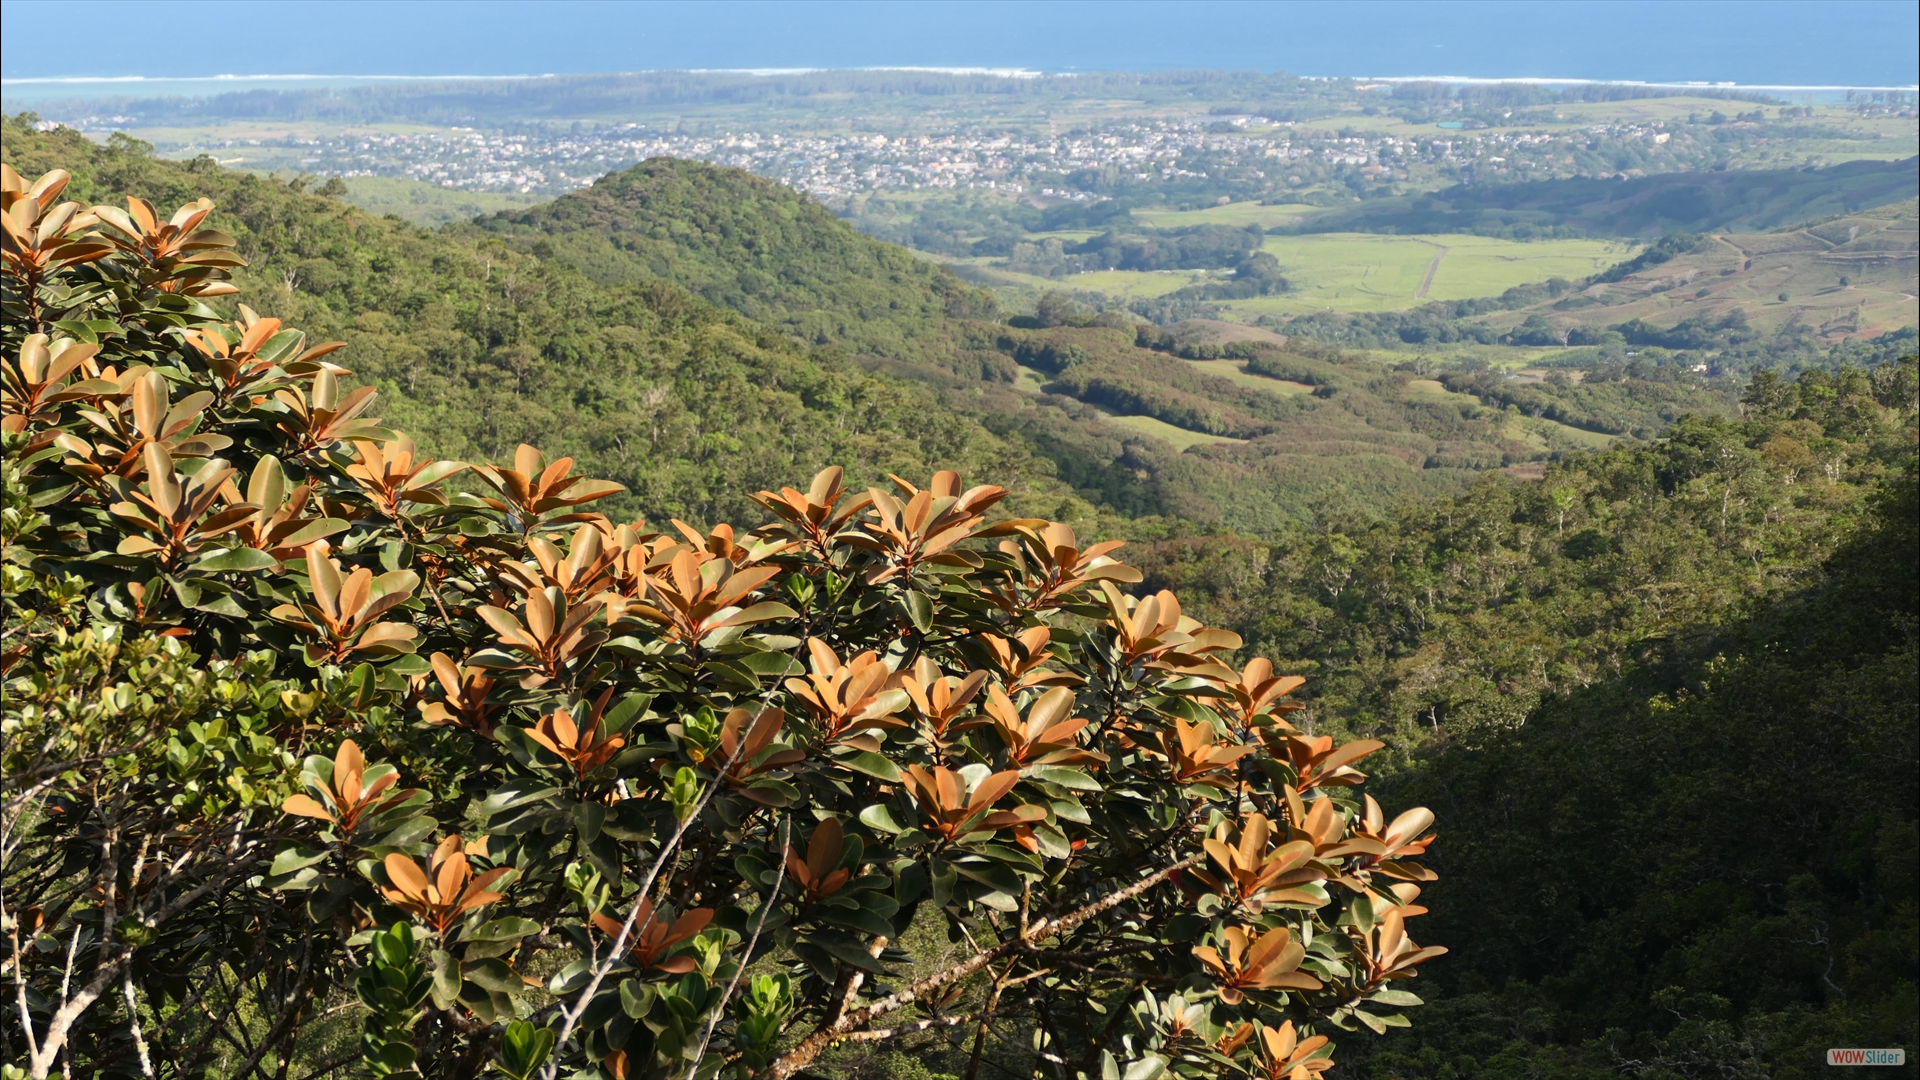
(1128, 419)
(752, 245)
(1753, 200)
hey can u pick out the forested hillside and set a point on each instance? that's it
(752, 245)
(483, 337)
(1667, 700)
(1244, 442)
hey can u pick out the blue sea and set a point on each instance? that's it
(1830, 44)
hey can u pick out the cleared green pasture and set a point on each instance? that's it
(1236, 371)
(1363, 271)
(1370, 272)
(1120, 283)
(1553, 430)
(1433, 390)
(1177, 437)
(1240, 214)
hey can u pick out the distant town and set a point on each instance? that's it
(1073, 165)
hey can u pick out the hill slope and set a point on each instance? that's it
(1663, 706)
(1220, 441)
(750, 244)
(571, 326)
(1742, 201)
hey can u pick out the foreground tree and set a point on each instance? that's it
(299, 720)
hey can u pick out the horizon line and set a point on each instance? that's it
(1000, 72)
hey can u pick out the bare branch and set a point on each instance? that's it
(810, 1048)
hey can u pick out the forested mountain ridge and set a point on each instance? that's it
(750, 244)
(477, 347)
(1665, 700)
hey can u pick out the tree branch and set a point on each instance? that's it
(811, 1047)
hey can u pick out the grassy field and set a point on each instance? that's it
(427, 204)
(1370, 272)
(1537, 432)
(1239, 214)
(1177, 437)
(1360, 271)
(1236, 371)
(1775, 278)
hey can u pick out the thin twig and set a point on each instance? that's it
(802, 1055)
(133, 1021)
(571, 1017)
(780, 878)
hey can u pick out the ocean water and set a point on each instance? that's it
(1776, 43)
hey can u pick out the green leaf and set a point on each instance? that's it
(510, 928)
(769, 792)
(295, 858)
(446, 979)
(878, 818)
(1377, 1023)
(919, 610)
(866, 761)
(316, 530)
(1147, 1068)
(636, 998)
(236, 558)
(769, 664)
(1068, 810)
(860, 919)
(991, 874)
(1053, 843)
(621, 715)
(407, 665)
(494, 975)
(222, 604)
(587, 818)
(1396, 997)
(765, 611)
(1069, 778)
(524, 1048)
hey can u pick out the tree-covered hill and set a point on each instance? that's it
(1665, 702)
(753, 245)
(477, 347)
(1748, 200)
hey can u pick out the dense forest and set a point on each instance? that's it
(743, 243)
(1670, 693)
(1661, 700)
